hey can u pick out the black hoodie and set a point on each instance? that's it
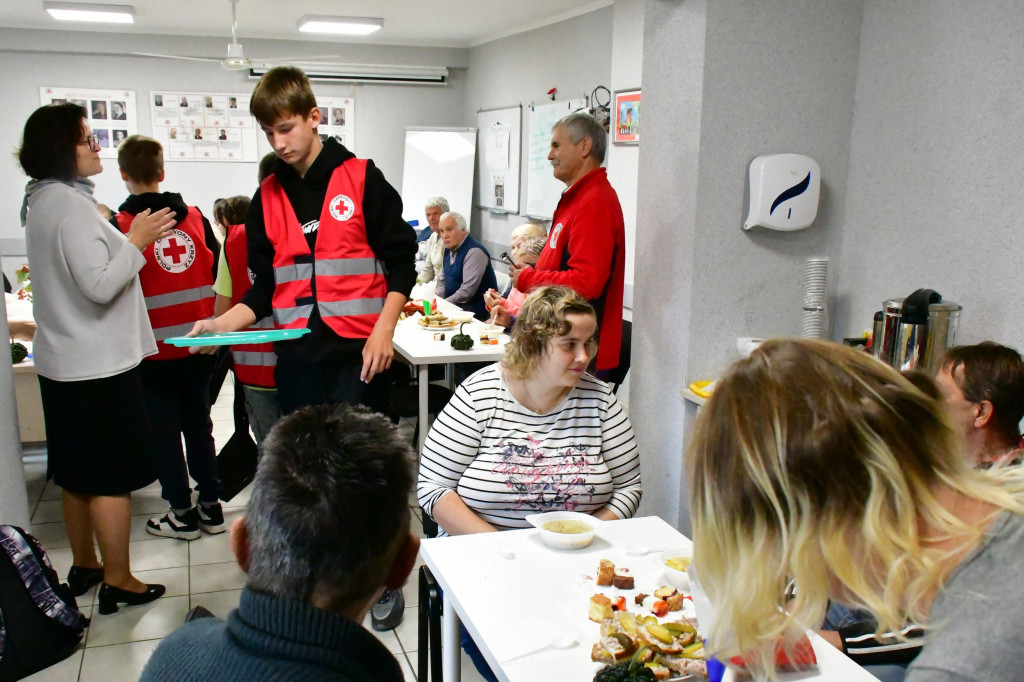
(137, 203)
(392, 240)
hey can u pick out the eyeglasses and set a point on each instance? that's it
(92, 142)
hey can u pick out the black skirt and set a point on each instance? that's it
(97, 434)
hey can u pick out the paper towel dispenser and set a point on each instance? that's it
(784, 192)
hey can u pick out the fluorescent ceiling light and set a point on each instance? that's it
(73, 11)
(351, 26)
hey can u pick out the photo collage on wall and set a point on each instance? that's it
(204, 126)
(338, 120)
(110, 113)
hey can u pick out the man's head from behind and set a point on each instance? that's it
(141, 160)
(984, 389)
(328, 521)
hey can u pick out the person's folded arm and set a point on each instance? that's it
(100, 273)
(451, 446)
(622, 457)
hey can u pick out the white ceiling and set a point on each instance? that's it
(438, 23)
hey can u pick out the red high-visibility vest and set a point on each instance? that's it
(350, 283)
(255, 362)
(177, 281)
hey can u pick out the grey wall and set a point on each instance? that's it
(937, 162)
(726, 81)
(573, 56)
(31, 59)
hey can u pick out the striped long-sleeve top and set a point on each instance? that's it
(506, 462)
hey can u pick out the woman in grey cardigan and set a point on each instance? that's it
(92, 333)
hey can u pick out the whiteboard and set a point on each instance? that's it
(500, 140)
(542, 189)
(438, 163)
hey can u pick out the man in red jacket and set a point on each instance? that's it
(586, 248)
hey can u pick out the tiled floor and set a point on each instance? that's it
(202, 571)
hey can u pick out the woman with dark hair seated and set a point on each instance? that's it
(814, 462)
(92, 333)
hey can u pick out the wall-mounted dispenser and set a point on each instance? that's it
(784, 192)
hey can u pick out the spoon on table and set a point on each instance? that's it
(563, 642)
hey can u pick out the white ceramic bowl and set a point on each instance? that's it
(677, 579)
(491, 329)
(557, 540)
(460, 316)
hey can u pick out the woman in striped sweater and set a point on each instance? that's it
(532, 433)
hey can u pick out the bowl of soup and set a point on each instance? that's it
(565, 529)
(675, 562)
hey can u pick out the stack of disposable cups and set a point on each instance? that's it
(815, 318)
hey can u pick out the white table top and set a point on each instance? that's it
(511, 606)
(417, 344)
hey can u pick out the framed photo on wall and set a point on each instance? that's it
(626, 117)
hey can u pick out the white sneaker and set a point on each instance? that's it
(171, 525)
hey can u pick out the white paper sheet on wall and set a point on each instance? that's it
(496, 146)
(110, 113)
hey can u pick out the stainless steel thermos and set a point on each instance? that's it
(916, 330)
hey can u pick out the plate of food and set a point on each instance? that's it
(437, 321)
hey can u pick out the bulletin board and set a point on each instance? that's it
(542, 189)
(204, 126)
(110, 113)
(439, 162)
(499, 133)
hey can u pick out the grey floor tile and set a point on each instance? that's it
(117, 663)
(408, 630)
(48, 511)
(220, 603)
(147, 555)
(216, 577)
(154, 620)
(67, 669)
(50, 535)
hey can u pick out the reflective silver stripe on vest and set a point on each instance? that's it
(176, 297)
(293, 273)
(359, 306)
(254, 358)
(266, 323)
(285, 316)
(162, 333)
(349, 266)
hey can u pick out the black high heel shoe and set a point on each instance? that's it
(81, 579)
(111, 596)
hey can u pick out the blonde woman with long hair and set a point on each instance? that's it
(815, 462)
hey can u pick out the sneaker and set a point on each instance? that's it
(172, 525)
(387, 613)
(211, 518)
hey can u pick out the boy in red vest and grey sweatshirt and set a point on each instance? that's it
(177, 281)
(329, 252)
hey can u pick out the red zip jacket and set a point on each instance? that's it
(586, 250)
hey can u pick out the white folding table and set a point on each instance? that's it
(417, 345)
(512, 606)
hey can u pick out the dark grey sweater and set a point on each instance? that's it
(267, 638)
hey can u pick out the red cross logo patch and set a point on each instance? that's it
(175, 252)
(553, 241)
(342, 207)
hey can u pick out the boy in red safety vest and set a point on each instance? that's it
(177, 281)
(253, 364)
(329, 252)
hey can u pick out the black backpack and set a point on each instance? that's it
(40, 623)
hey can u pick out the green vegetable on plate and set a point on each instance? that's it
(462, 341)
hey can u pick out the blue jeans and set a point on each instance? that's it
(263, 408)
(473, 651)
(838, 616)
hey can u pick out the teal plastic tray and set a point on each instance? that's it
(236, 338)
